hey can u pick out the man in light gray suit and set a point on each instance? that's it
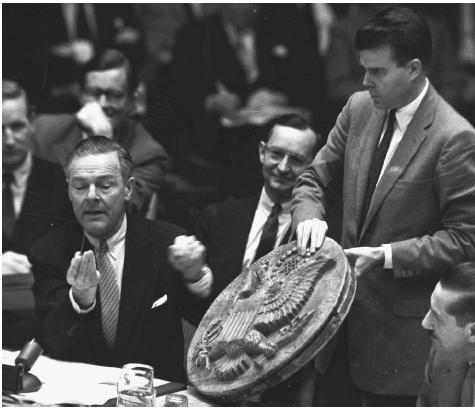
(405, 161)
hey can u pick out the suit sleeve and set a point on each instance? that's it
(319, 185)
(454, 242)
(63, 328)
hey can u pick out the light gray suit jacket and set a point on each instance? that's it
(424, 206)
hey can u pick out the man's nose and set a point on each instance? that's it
(427, 322)
(284, 164)
(366, 80)
(91, 193)
(102, 100)
(8, 136)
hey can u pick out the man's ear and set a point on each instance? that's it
(415, 68)
(129, 188)
(470, 331)
(262, 148)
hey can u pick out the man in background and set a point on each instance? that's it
(450, 322)
(34, 201)
(108, 92)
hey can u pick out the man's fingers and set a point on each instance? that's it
(71, 275)
(321, 228)
(302, 238)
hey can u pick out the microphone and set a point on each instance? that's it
(28, 355)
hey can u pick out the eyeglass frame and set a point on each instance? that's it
(295, 161)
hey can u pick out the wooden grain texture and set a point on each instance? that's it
(270, 321)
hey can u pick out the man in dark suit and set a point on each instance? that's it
(237, 232)
(34, 201)
(408, 202)
(108, 91)
(232, 230)
(103, 287)
(450, 322)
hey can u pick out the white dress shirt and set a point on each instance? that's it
(116, 254)
(20, 183)
(404, 116)
(264, 208)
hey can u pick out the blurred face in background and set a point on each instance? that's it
(284, 158)
(110, 90)
(17, 131)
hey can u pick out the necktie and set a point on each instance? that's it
(377, 162)
(269, 232)
(109, 295)
(8, 210)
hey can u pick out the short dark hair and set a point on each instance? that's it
(297, 122)
(112, 59)
(461, 280)
(402, 29)
(98, 144)
(13, 90)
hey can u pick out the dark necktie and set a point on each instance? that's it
(377, 162)
(8, 210)
(269, 232)
(109, 295)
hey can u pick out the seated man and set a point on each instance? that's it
(109, 86)
(238, 231)
(103, 287)
(34, 201)
(450, 371)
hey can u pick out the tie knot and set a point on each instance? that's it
(391, 116)
(276, 209)
(103, 247)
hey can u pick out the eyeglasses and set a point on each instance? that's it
(277, 155)
(110, 94)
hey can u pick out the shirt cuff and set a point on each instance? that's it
(388, 256)
(202, 287)
(76, 306)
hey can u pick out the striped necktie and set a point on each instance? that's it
(109, 295)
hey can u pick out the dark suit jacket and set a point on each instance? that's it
(423, 206)
(45, 207)
(224, 229)
(204, 56)
(146, 335)
(57, 135)
(446, 384)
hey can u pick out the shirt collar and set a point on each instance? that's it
(405, 114)
(114, 242)
(21, 173)
(266, 202)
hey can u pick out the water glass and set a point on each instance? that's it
(135, 386)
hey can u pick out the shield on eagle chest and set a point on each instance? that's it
(270, 321)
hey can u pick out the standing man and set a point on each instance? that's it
(450, 322)
(405, 162)
(34, 201)
(108, 96)
(238, 231)
(103, 287)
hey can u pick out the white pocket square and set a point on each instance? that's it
(162, 300)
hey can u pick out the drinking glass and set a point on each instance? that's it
(135, 386)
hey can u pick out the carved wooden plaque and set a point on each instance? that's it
(270, 321)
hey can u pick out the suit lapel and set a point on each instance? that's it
(138, 277)
(415, 134)
(368, 143)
